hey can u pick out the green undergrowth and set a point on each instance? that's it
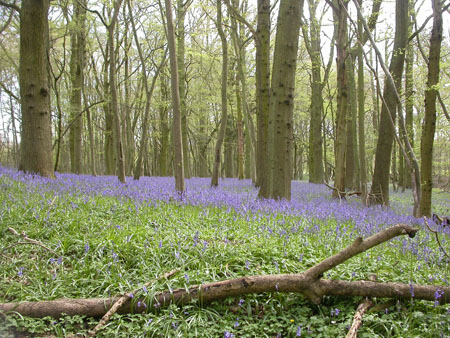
(107, 247)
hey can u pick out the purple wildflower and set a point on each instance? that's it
(299, 331)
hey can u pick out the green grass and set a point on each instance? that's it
(107, 247)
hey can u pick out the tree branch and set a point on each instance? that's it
(13, 6)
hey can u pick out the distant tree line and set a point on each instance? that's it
(223, 89)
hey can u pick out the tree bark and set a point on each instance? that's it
(379, 193)
(164, 130)
(223, 122)
(262, 94)
(120, 161)
(429, 125)
(361, 115)
(174, 82)
(78, 42)
(181, 14)
(36, 132)
(315, 160)
(148, 95)
(342, 97)
(282, 99)
(308, 283)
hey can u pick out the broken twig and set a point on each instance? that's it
(118, 304)
(29, 241)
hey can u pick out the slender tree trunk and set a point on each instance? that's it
(113, 88)
(76, 76)
(282, 99)
(164, 130)
(36, 132)
(177, 136)
(262, 94)
(240, 133)
(342, 95)
(181, 14)
(223, 122)
(109, 120)
(315, 160)
(350, 161)
(127, 130)
(361, 115)
(409, 95)
(148, 94)
(228, 149)
(380, 183)
(429, 125)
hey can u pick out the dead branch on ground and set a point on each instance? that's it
(28, 241)
(357, 319)
(308, 283)
(126, 297)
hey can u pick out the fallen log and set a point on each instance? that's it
(307, 283)
(205, 293)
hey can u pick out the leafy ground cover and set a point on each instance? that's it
(112, 238)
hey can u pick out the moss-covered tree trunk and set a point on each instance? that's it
(164, 129)
(78, 43)
(120, 160)
(379, 193)
(262, 94)
(181, 15)
(282, 99)
(36, 132)
(409, 96)
(429, 125)
(174, 84)
(315, 159)
(361, 115)
(340, 15)
(223, 122)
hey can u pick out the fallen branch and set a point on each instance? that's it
(344, 194)
(307, 283)
(126, 297)
(29, 241)
(357, 319)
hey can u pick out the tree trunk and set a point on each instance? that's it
(223, 122)
(315, 160)
(181, 14)
(36, 135)
(109, 120)
(262, 94)
(78, 43)
(361, 115)
(409, 96)
(228, 149)
(113, 89)
(379, 193)
(282, 99)
(174, 82)
(164, 130)
(342, 97)
(429, 125)
(148, 95)
(240, 132)
(350, 160)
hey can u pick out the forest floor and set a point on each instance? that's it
(111, 238)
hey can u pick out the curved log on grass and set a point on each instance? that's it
(307, 283)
